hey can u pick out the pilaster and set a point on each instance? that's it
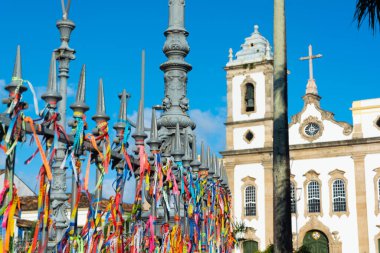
(268, 73)
(268, 179)
(357, 131)
(361, 204)
(231, 182)
(229, 97)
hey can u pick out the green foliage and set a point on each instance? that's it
(238, 226)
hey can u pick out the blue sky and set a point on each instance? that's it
(110, 35)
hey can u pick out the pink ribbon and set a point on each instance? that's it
(150, 226)
(171, 176)
(5, 188)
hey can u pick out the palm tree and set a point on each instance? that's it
(370, 9)
(281, 169)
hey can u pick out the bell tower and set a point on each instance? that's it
(249, 140)
(249, 94)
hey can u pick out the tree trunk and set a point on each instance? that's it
(281, 170)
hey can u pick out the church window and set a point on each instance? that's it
(338, 193)
(311, 128)
(292, 198)
(248, 136)
(249, 97)
(249, 197)
(250, 201)
(339, 196)
(377, 123)
(314, 205)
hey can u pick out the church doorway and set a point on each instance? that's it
(250, 246)
(316, 242)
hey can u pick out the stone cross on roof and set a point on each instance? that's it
(311, 86)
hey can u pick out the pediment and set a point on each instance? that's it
(248, 179)
(314, 124)
(336, 172)
(311, 174)
(325, 115)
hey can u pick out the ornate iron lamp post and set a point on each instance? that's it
(58, 194)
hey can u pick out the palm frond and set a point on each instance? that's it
(368, 9)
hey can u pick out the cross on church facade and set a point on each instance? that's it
(311, 86)
(310, 58)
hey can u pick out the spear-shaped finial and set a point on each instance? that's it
(203, 158)
(195, 163)
(216, 167)
(154, 142)
(51, 96)
(140, 134)
(221, 173)
(65, 9)
(16, 76)
(79, 106)
(177, 150)
(122, 117)
(226, 182)
(210, 158)
(224, 175)
(17, 68)
(100, 106)
(186, 159)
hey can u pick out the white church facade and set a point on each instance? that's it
(335, 166)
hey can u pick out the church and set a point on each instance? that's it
(335, 166)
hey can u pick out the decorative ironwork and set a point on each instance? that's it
(179, 199)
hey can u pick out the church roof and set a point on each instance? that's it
(256, 48)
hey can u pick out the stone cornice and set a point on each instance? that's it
(248, 65)
(228, 123)
(330, 144)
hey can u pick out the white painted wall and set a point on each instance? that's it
(331, 131)
(256, 171)
(364, 113)
(33, 216)
(257, 142)
(371, 162)
(259, 78)
(346, 226)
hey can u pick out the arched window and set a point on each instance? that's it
(313, 197)
(339, 196)
(250, 201)
(292, 198)
(249, 97)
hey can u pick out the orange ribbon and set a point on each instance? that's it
(42, 153)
